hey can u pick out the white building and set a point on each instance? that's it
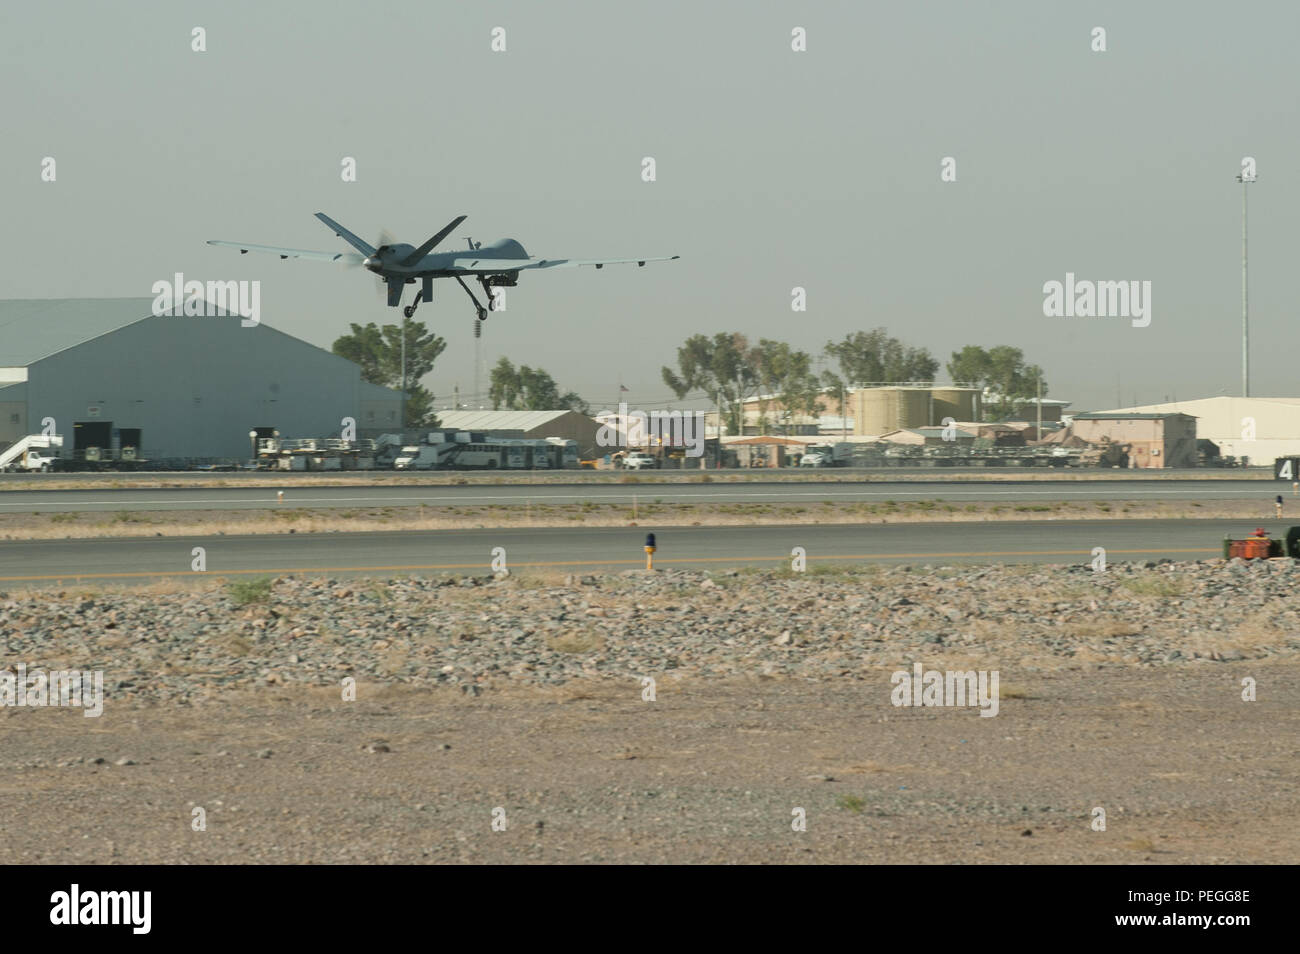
(1258, 428)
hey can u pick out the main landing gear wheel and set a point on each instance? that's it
(480, 312)
(478, 328)
(409, 311)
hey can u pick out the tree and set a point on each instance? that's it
(529, 389)
(503, 384)
(875, 357)
(969, 366)
(835, 384)
(787, 374)
(378, 351)
(723, 367)
(1002, 370)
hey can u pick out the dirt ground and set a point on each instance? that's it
(831, 475)
(711, 771)
(281, 519)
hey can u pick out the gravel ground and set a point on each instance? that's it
(177, 644)
(1119, 689)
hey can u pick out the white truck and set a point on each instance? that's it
(425, 456)
(35, 452)
(826, 455)
(416, 457)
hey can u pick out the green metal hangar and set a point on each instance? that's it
(110, 374)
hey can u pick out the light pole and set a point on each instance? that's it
(1245, 180)
(1039, 401)
(252, 439)
(403, 406)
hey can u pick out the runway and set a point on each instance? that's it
(389, 495)
(580, 549)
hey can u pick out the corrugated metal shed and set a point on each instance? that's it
(1126, 416)
(766, 441)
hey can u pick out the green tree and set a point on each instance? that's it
(503, 384)
(1002, 370)
(875, 357)
(378, 351)
(529, 389)
(835, 384)
(786, 374)
(723, 367)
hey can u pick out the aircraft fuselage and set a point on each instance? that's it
(485, 260)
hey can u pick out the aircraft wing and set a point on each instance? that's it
(491, 265)
(345, 258)
(598, 262)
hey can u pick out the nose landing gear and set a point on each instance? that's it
(426, 294)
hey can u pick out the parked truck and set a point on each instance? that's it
(827, 455)
(426, 456)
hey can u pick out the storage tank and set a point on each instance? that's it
(960, 404)
(880, 410)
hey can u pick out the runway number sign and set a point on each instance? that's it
(1286, 468)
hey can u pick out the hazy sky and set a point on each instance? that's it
(775, 169)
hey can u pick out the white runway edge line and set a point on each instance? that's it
(949, 495)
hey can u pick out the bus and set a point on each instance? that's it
(564, 453)
(489, 455)
(517, 454)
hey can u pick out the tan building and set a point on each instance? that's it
(1154, 440)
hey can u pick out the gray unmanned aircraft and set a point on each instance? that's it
(399, 264)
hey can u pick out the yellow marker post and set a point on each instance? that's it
(649, 551)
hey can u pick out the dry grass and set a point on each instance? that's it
(1261, 628)
(580, 642)
(372, 478)
(289, 519)
(1155, 586)
(1006, 691)
(1102, 628)
(851, 803)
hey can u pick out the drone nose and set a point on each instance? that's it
(372, 262)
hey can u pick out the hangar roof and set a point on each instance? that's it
(498, 420)
(35, 328)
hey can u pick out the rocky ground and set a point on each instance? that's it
(1119, 689)
(178, 644)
